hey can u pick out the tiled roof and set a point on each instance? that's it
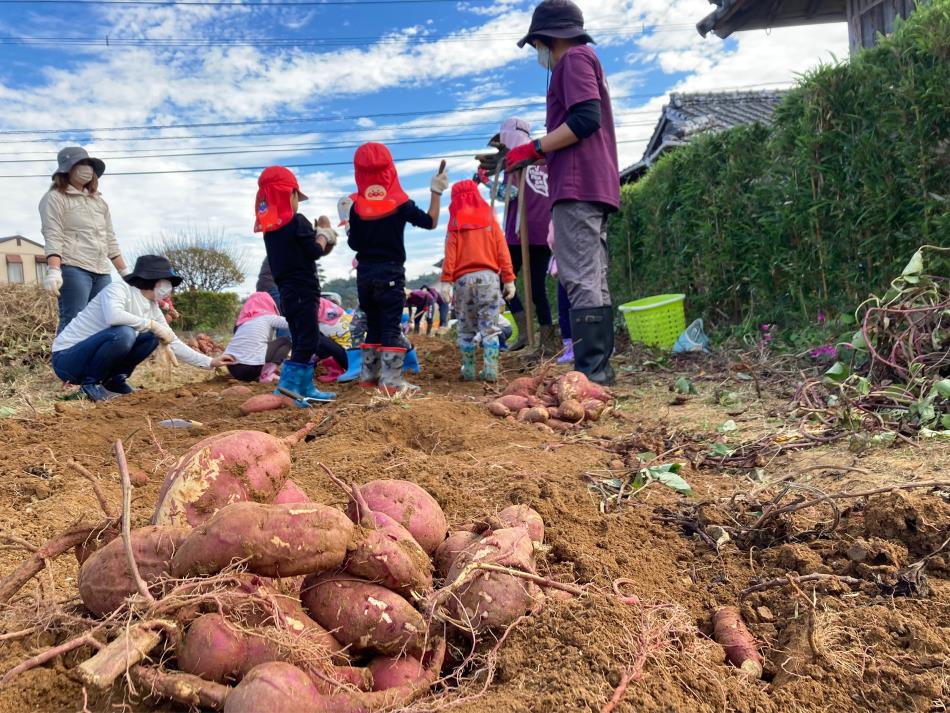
(736, 15)
(688, 114)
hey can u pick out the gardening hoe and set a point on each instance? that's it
(525, 261)
(301, 398)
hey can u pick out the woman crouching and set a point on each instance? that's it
(122, 325)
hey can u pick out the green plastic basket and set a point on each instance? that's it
(514, 327)
(657, 321)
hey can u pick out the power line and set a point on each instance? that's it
(226, 3)
(325, 118)
(283, 148)
(324, 164)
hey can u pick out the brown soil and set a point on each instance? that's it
(827, 647)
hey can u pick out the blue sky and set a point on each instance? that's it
(302, 85)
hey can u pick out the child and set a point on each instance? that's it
(475, 255)
(293, 247)
(378, 218)
(255, 347)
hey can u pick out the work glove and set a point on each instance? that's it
(491, 163)
(508, 291)
(343, 209)
(162, 331)
(444, 289)
(525, 153)
(124, 271)
(53, 281)
(440, 181)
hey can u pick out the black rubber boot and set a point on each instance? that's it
(593, 334)
(521, 322)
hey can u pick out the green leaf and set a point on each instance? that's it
(726, 427)
(7, 411)
(729, 398)
(928, 433)
(885, 438)
(914, 267)
(684, 386)
(862, 386)
(838, 372)
(721, 450)
(742, 376)
(646, 456)
(945, 421)
(943, 388)
(858, 342)
(667, 475)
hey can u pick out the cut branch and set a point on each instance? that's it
(792, 581)
(118, 656)
(182, 687)
(126, 516)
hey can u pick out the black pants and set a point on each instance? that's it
(329, 348)
(382, 297)
(300, 309)
(277, 351)
(539, 256)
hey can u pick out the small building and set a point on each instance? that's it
(867, 19)
(689, 114)
(24, 261)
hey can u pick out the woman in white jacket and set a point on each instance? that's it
(77, 226)
(117, 331)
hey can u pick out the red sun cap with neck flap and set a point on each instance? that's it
(377, 182)
(468, 209)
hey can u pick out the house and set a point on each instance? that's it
(696, 113)
(24, 260)
(867, 19)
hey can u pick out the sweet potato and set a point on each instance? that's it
(105, 580)
(275, 540)
(594, 409)
(410, 506)
(446, 553)
(559, 426)
(237, 390)
(230, 467)
(390, 672)
(571, 411)
(496, 408)
(290, 492)
(384, 552)
(519, 516)
(571, 387)
(536, 414)
(138, 477)
(543, 427)
(265, 402)
(514, 402)
(741, 648)
(363, 615)
(523, 386)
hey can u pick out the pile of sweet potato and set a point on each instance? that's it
(256, 598)
(554, 403)
(205, 344)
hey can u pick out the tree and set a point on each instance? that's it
(205, 259)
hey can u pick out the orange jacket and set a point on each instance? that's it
(473, 249)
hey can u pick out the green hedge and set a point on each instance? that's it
(812, 214)
(206, 311)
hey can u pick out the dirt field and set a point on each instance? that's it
(883, 645)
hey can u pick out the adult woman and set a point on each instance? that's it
(118, 330)
(516, 132)
(77, 226)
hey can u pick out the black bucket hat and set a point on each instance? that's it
(556, 18)
(71, 155)
(151, 268)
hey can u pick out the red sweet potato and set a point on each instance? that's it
(571, 411)
(290, 492)
(384, 552)
(536, 414)
(230, 467)
(410, 506)
(237, 390)
(138, 477)
(391, 672)
(559, 426)
(496, 408)
(446, 553)
(519, 516)
(514, 402)
(265, 402)
(741, 648)
(594, 409)
(275, 540)
(571, 387)
(523, 386)
(105, 580)
(363, 615)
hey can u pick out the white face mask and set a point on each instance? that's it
(83, 174)
(163, 289)
(544, 56)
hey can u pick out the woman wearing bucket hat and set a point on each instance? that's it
(77, 227)
(580, 150)
(118, 330)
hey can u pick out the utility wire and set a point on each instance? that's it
(324, 164)
(227, 3)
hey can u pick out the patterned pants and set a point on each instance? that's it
(478, 303)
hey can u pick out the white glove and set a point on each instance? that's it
(328, 234)
(343, 209)
(440, 183)
(124, 271)
(444, 289)
(508, 291)
(162, 331)
(53, 281)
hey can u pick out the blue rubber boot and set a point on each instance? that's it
(412, 361)
(354, 365)
(489, 361)
(298, 378)
(468, 361)
(309, 390)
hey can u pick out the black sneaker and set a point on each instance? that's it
(118, 385)
(97, 392)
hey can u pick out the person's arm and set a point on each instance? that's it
(114, 251)
(277, 322)
(51, 227)
(117, 309)
(439, 184)
(435, 206)
(314, 246)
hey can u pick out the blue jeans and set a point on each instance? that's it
(79, 287)
(104, 355)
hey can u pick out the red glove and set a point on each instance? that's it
(481, 176)
(521, 154)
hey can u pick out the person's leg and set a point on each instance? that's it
(74, 294)
(564, 321)
(145, 343)
(300, 309)
(369, 348)
(328, 348)
(278, 349)
(488, 305)
(540, 258)
(443, 314)
(514, 304)
(245, 372)
(94, 360)
(466, 304)
(417, 320)
(99, 283)
(394, 345)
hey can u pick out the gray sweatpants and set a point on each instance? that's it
(580, 248)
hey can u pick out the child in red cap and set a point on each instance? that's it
(293, 246)
(378, 218)
(475, 256)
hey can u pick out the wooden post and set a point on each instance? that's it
(494, 190)
(525, 259)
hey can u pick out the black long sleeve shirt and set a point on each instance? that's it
(293, 251)
(383, 239)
